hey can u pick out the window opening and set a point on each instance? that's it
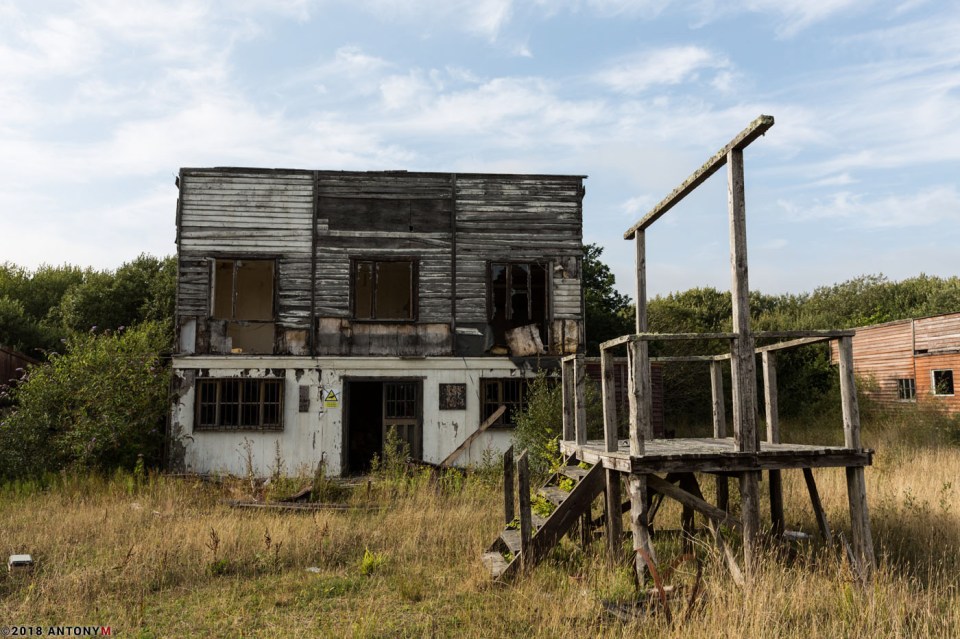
(518, 297)
(907, 389)
(383, 290)
(239, 403)
(943, 382)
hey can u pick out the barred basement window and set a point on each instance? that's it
(907, 390)
(239, 403)
(942, 382)
(509, 392)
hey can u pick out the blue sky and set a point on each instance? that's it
(101, 102)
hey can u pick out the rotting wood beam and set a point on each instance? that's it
(754, 130)
(690, 500)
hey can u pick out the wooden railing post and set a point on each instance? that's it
(580, 406)
(769, 359)
(568, 381)
(856, 483)
(719, 428)
(611, 444)
(526, 520)
(508, 511)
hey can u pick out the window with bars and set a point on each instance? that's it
(239, 403)
(508, 392)
(907, 389)
(942, 382)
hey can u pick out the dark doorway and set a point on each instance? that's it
(373, 408)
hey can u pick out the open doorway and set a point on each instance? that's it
(373, 408)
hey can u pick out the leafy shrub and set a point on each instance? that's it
(98, 405)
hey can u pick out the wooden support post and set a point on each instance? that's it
(742, 361)
(769, 359)
(860, 533)
(580, 406)
(818, 511)
(614, 516)
(526, 520)
(719, 428)
(568, 381)
(508, 512)
(641, 411)
(688, 483)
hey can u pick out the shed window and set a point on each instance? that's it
(239, 403)
(518, 297)
(907, 390)
(942, 382)
(384, 289)
(509, 392)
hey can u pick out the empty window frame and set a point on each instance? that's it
(509, 392)
(243, 289)
(239, 403)
(518, 297)
(907, 390)
(942, 382)
(384, 289)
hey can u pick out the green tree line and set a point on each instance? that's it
(99, 396)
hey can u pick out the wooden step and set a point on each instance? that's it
(554, 495)
(495, 563)
(574, 472)
(512, 539)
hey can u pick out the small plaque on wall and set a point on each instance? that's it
(453, 396)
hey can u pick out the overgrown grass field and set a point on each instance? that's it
(151, 556)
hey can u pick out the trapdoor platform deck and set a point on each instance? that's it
(705, 454)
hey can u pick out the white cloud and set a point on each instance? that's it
(668, 66)
(936, 205)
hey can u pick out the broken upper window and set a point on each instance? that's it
(239, 403)
(518, 297)
(243, 292)
(384, 289)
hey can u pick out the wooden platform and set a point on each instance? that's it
(705, 454)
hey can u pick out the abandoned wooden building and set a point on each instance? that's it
(316, 310)
(654, 468)
(911, 360)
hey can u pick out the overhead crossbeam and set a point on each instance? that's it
(754, 130)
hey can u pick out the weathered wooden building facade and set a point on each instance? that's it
(910, 360)
(316, 310)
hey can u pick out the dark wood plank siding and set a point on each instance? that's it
(315, 223)
(520, 218)
(229, 212)
(371, 215)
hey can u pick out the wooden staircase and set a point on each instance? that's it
(570, 492)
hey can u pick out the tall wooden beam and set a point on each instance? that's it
(641, 412)
(754, 130)
(743, 365)
(856, 483)
(508, 511)
(526, 518)
(769, 359)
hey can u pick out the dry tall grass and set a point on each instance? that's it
(165, 557)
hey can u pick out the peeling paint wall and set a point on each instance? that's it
(307, 437)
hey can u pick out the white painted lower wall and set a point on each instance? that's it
(307, 437)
